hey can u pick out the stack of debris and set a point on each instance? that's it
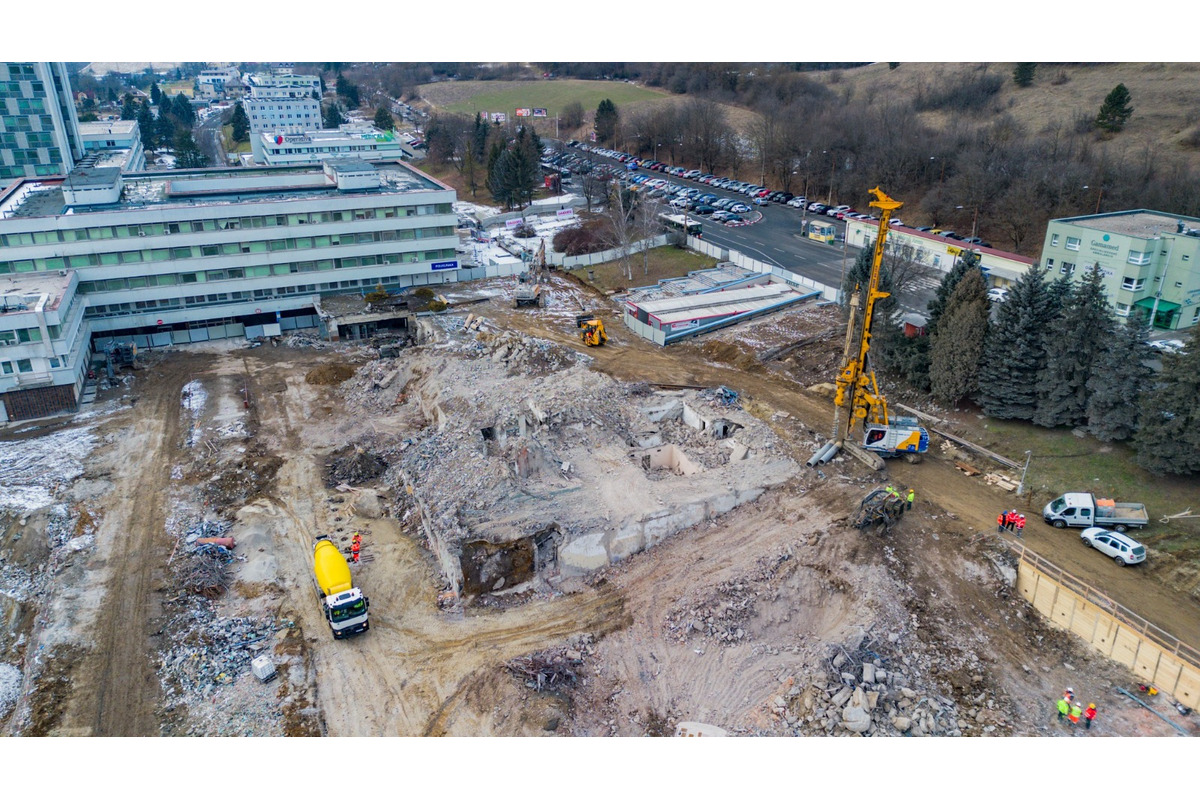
(206, 651)
(555, 668)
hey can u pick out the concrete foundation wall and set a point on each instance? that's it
(1152, 654)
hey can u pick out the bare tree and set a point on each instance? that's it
(622, 228)
(648, 225)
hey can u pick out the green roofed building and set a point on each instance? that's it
(1149, 259)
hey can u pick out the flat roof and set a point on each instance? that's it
(731, 301)
(1141, 223)
(44, 197)
(118, 126)
(81, 177)
(27, 287)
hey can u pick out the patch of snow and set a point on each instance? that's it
(32, 469)
(10, 686)
(192, 398)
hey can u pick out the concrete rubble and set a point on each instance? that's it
(513, 438)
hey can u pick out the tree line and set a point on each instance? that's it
(170, 128)
(1052, 354)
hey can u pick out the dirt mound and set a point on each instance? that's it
(734, 354)
(329, 374)
(354, 466)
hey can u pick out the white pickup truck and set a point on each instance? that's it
(1084, 510)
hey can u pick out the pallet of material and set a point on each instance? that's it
(1007, 484)
(967, 468)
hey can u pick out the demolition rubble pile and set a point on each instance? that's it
(508, 436)
(205, 653)
(723, 612)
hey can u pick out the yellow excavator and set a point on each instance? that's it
(591, 330)
(858, 397)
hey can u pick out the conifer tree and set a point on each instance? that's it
(1168, 437)
(1076, 339)
(145, 121)
(957, 344)
(1023, 73)
(1120, 377)
(1115, 111)
(606, 120)
(1015, 349)
(240, 123)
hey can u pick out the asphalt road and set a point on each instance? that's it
(208, 138)
(776, 240)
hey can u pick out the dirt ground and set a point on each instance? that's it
(746, 620)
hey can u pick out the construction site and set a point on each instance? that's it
(545, 525)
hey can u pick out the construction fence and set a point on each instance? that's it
(1155, 656)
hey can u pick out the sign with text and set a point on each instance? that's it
(523, 112)
(513, 223)
(444, 265)
(540, 112)
(499, 116)
(565, 212)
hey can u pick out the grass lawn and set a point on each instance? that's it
(177, 87)
(468, 97)
(1063, 462)
(230, 145)
(663, 262)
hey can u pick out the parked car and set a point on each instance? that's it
(739, 208)
(721, 216)
(797, 202)
(997, 294)
(761, 201)
(732, 218)
(1117, 546)
(1167, 345)
(704, 209)
(723, 203)
(814, 206)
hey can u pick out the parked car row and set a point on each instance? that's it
(636, 168)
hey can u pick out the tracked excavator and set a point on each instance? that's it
(858, 398)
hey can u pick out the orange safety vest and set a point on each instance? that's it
(1020, 523)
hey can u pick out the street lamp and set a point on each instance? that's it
(1021, 487)
(1098, 198)
(832, 163)
(973, 221)
(942, 175)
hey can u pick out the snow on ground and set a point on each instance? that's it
(192, 398)
(31, 469)
(10, 686)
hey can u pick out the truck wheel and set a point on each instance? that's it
(1122, 528)
(1058, 523)
(1120, 562)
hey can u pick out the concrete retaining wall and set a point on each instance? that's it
(1153, 655)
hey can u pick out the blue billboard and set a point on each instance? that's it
(444, 265)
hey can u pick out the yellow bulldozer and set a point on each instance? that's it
(591, 330)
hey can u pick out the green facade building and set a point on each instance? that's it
(1149, 259)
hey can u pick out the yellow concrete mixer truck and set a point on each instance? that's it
(342, 603)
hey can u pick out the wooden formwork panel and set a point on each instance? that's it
(1028, 579)
(1145, 664)
(1083, 620)
(1125, 647)
(1105, 634)
(1168, 673)
(1187, 688)
(1064, 608)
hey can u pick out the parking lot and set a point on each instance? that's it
(770, 230)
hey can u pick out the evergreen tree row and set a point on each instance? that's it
(1051, 354)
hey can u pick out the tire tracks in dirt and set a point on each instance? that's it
(116, 688)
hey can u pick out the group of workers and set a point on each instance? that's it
(908, 498)
(1010, 521)
(1072, 712)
